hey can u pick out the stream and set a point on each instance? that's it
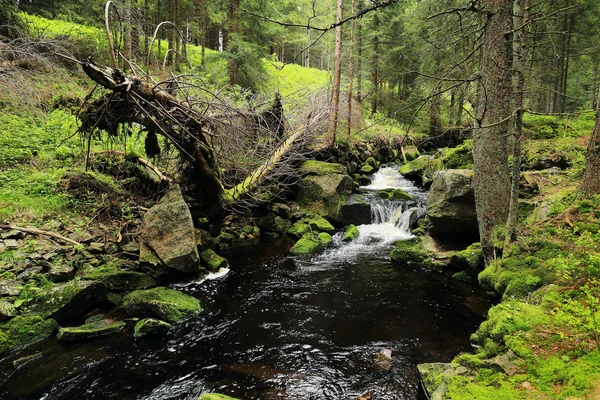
(281, 327)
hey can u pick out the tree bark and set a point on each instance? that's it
(350, 75)
(520, 19)
(591, 176)
(490, 149)
(232, 28)
(337, 72)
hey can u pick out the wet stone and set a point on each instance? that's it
(22, 361)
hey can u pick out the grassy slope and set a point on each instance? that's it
(38, 140)
(549, 317)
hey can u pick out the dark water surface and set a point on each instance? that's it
(274, 328)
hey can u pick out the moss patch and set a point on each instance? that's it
(166, 304)
(21, 331)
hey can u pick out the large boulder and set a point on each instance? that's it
(451, 205)
(161, 302)
(168, 235)
(69, 300)
(422, 169)
(356, 210)
(325, 192)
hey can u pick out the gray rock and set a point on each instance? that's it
(168, 232)
(61, 273)
(356, 210)
(11, 244)
(433, 376)
(9, 287)
(13, 234)
(7, 310)
(451, 205)
(2, 246)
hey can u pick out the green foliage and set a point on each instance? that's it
(541, 126)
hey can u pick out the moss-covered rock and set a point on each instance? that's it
(215, 396)
(411, 153)
(460, 157)
(21, 331)
(394, 194)
(522, 286)
(308, 244)
(213, 261)
(314, 167)
(435, 377)
(351, 233)
(324, 193)
(69, 300)
(299, 229)
(150, 326)
(411, 252)
(325, 239)
(280, 225)
(119, 279)
(320, 224)
(422, 169)
(92, 330)
(166, 304)
(367, 169)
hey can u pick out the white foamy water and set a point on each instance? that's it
(391, 220)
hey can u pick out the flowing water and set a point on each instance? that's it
(277, 327)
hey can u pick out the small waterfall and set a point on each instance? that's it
(400, 214)
(390, 221)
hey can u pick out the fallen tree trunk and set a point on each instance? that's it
(160, 113)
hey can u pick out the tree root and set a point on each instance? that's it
(36, 231)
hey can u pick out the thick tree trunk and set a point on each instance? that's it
(337, 72)
(490, 149)
(591, 176)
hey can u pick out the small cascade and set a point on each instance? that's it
(390, 221)
(399, 214)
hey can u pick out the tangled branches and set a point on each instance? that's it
(228, 155)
